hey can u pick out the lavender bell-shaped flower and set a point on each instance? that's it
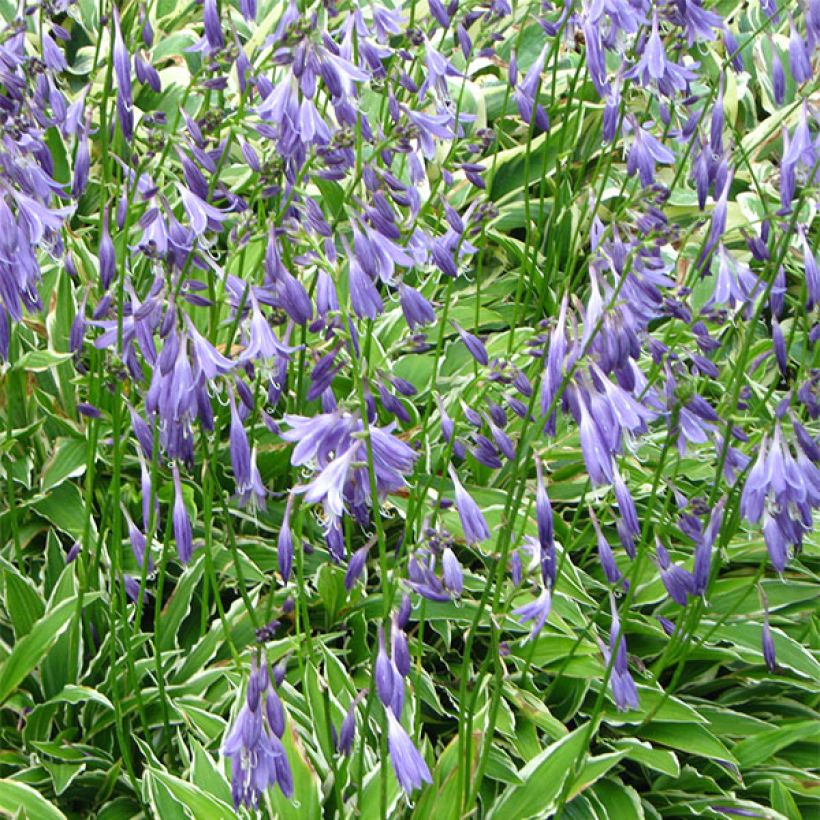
(356, 566)
(384, 674)
(546, 531)
(703, 551)
(679, 582)
(537, 611)
(767, 643)
(629, 527)
(408, 764)
(182, 522)
(347, 733)
(624, 691)
(451, 572)
(249, 486)
(284, 544)
(253, 745)
(106, 255)
(605, 556)
(472, 520)
(473, 344)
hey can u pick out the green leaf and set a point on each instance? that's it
(758, 749)
(661, 760)
(179, 604)
(38, 361)
(207, 775)
(691, 738)
(62, 774)
(542, 780)
(67, 461)
(782, 801)
(64, 507)
(30, 650)
(746, 638)
(594, 769)
(81, 694)
(23, 603)
(202, 806)
(664, 709)
(621, 802)
(18, 797)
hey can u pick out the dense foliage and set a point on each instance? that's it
(409, 411)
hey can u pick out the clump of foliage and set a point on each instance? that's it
(409, 410)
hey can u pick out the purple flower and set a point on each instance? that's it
(778, 75)
(284, 544)
(472, 520)
(799, 56)
(546, 533)
(768, 645)
(364, 297)
(596, 453)
(536, 611)
(106, 255)
(416, 309)
(474, 345)
(703, 551)
(182, 523)
(799, 151)
(605, 556)
(626, 504)
(735, 283)
(679, 582)
(384, 673)
(624, 691)
(654, 66)
(645, 152)
(812, 270)
(132, 587)
(71, 555)
(122, 64)
(249, 486)
(451, 572)
(138, 542)
(348, 731)
(398, 646)
(213, 26)
(525, 94)
(258, 758)
(408, 764)
(356, 566)
(202, 215)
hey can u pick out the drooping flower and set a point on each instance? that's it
(678, 581)
(621, 682)
(253, 745)
(408, 764)
(767, 642)
(654, 67)
(605, 555)
(536, 611)
(182, 522)
(472, 519)
(703, 550)
(645, 153)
